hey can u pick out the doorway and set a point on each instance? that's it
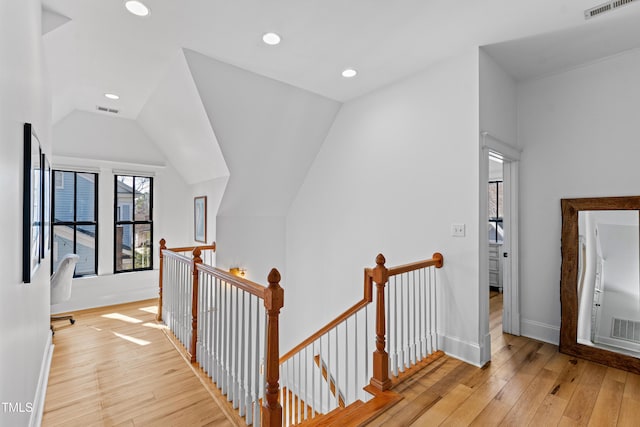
(499, 245)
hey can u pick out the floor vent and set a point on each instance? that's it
(628, 330)
(605, 7)
(107, 110)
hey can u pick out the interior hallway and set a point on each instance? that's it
(116, 367)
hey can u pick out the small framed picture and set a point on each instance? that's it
(200, 219)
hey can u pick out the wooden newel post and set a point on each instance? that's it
(380, 378)
(162, 247)
(273, 302)
(194, 304)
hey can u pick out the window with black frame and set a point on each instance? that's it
(133, 213)
(74, 204)
(496, 212)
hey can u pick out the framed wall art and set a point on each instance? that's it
(200, 219)
(32, 209)
(45, 245)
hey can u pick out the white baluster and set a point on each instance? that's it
(306, 383)
(346, 361)
(413, 334)
(257, 385)
(249, 415)
(356, 344)
(241, 392)
(366, 344)
(395, 322)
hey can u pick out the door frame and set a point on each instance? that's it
(511, 289)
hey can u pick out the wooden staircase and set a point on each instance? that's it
(360, 413)
(229, 328)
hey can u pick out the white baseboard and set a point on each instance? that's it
(41, 391)
(105, 300)
(464, 350)
(540, 331)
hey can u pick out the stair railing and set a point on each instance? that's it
(332, 368)
(406, 317)
(229, 325)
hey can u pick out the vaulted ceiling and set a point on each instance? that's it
(217, 101)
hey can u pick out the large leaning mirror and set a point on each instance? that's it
(600, 286)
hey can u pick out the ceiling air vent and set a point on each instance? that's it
(605, 7)
(107, 110)
(628, 330)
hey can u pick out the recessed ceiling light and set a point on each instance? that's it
(111, 96)
(349, 72)
(137, 8)
(271, 39)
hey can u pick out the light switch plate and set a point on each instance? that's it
(457, 230)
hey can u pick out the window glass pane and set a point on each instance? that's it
(142, 246)
(86, 249)
(62, 243)
(123, 247)
(142, 199)
(124, 186)
(64, 196)
(86, 187)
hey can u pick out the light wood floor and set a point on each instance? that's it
(115, 367)
(527, 383)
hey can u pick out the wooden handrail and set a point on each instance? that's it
(435, 261)
(238, 282)
(368, 297)
(211, 247)
(329, 379)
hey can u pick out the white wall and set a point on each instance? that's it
(498, 100)
(24, 308)
(398, 167)
(92, 141)
(255, 243)
(579, 132)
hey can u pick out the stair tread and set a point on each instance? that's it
(336, 415)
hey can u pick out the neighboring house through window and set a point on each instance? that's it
(133, 223)
(496, 211)
(75, 220)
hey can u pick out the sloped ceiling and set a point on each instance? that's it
(269, 108)
(175, 119)
(269, 133)
(548, 53)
